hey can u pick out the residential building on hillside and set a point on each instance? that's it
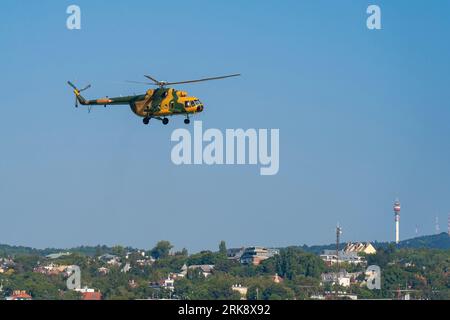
(89, 294)
(103, 270)
(277, 279)
(205, 269)
(343, 278)
(110, 259)
(241, 289)
(360, 247)
(51, 269)
(19, 295)
(255, 255)
(330, 258)
(53, 256)
(235, 253)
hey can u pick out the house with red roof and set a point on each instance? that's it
(20, 295)
(92, 295)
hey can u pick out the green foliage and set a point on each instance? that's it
(223, 248)
(205, 257)
(423, 272)
(212, 288)
(292, 262)
(161, 250)
(265, 289)
(26, 263)
(39, 286)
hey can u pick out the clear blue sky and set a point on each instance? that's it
(363, 117)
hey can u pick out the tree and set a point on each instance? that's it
(118, 250)
(204, 257)
(222, 248)
(292, 262)
(183, 252)
(265, 289)
(161, 250)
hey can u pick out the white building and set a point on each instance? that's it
(241, 289)
(342, 278)
(330, 257)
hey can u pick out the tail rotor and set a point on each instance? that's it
(77, 91)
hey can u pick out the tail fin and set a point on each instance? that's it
(78, 96)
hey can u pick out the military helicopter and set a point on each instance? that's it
(158, 103)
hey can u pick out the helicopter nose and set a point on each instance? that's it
(200, 108)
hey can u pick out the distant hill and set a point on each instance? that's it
(7, 250)
(438, 241)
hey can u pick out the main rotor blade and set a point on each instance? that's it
(153, 79)
(204, 79)
(141, 82)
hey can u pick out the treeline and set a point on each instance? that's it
(440, 241)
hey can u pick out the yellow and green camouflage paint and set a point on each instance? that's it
(160, 102)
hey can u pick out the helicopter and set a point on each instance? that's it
(158, 103)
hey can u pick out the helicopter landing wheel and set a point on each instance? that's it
(165, 121)
(187, 121)
(146, 121)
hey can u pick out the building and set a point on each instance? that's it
(343, 278)
(255, 255)
(6, 264)
(92, 295)
(168, 283)
(360, 247)
(51, 269)
(126, 268)
(89, 294)
(19, 295)
(110, 259)
(103, 270)
(235, 253)
(132, 284)
(277, 279)
(330, 258)
(241, 289)
(145, 262)
(205, 269)
(58, 255)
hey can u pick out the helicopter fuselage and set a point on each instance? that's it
(160, 102)
(163, 102)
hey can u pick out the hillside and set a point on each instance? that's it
(439, 241)
(7, 250)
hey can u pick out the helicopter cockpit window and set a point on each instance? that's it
(188, 103)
